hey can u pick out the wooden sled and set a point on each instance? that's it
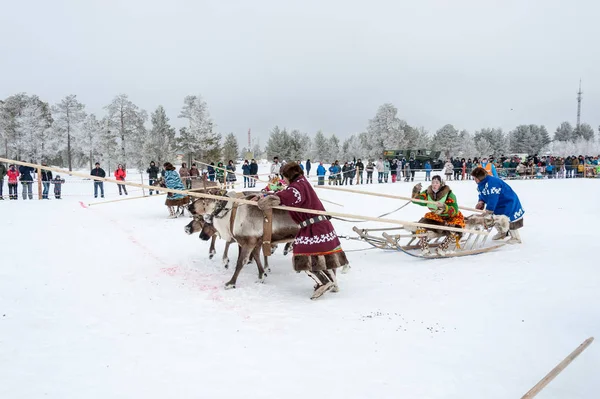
(408, 242)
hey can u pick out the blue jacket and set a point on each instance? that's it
(428, 166)
(500, 198)
(246, 169)
(320, 170)
(494, 172)
(25, 172)
(172, 180)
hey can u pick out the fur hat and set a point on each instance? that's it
(291, 171)
(479, 173)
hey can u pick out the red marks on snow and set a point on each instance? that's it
(83, 205)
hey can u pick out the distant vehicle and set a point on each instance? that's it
(419, 155)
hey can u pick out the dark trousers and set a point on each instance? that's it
(12, 191)
(122, 187)
(151, 182)
(1, 185)
(98, 184)
(370, 177)
(321, 181)
(57, 190)
(246, 181)
(46, 185)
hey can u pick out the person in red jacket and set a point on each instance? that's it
(120, 174)
(13, 182)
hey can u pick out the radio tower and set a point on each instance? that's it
(249, 141)
(579, 93)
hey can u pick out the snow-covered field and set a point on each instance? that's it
(115, 301)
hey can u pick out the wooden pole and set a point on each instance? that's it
(349, 190)
(556, 370)
(39, 173)
(123, 199)
(244, 201)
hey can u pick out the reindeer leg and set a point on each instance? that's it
(261, 271)
(267, 267)
(225, 258)
(242, 259)
(212, 251)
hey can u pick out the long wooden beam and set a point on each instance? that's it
(349, 190)
(242, 201)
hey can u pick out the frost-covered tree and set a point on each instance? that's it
(495, 138)
(446, 140)
(528, 139)
(386, 131)
(10, 110)
(257, 151)
(300, 145)
(352, 148)
(89, 138)
(205, 143)
(230, 148)
(320, 149)
(466, 147)
(127, 120)
(279, 144)
(68, 116)
(334, 147)
(417, 138)
(33, 131)
(159, 145)
(585, 132)
(108, 144)
(564, 132)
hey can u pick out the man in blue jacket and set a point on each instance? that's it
(498, 198)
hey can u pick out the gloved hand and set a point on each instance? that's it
(268, 202)
(441, 207)
(480, 205)
(416, 190)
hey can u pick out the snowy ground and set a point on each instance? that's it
(115, 301)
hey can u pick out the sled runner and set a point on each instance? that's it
(402, 240)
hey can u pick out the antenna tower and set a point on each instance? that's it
(249, 141)
(579, 93)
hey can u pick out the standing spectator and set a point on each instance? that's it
(27, 181)
(184, 174)
(380, 169)
(448, 170)
(253, 173)
(412, 164)
(469, 168)
(489, 167)
(427, 171)
(246, 173)
(58, 182)
(13, 182)
(300, 164)
(194, 174)
(386, 170)
(406, 170)
(230, 173)
(333, 173)
(152, 175)
(120, 175)
(360, 167)
(394, 169)
(321, 174)
(308, 165)
(220, 172)
(98, 172)
(370, 168)
(463, 165)
(275, 166)
(2, 174)
(46, 179)
(211, 171)
(345, 174)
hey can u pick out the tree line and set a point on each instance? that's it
(65, 134)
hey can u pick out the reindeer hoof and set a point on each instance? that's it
(211, 256)
(268, 270)
(261, 280)
(345, 269)
(229, 286)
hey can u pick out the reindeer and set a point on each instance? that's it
(207, 229)
(246, 228)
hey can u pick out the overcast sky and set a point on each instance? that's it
(312, 64)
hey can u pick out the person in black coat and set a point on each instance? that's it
(211, 171)
(152, 175)
(253, 172)
(308, 167)
(413, 168)
(27, 180)
(98, 172)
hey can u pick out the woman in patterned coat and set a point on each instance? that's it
(317, 249)
(172, 180)
(444, 212)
